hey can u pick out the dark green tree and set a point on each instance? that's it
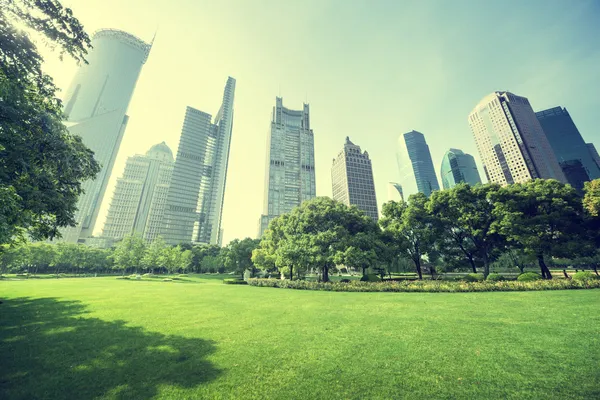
(237, 256)
(42, 166)
(591, 199)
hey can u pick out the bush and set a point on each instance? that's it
(495, 277)
(182, 275)
(370, 278)
(585, 276)
(474, 277)
(529, 277)
(167, 280)
(344, 280)
(234, 281)
(428, 286)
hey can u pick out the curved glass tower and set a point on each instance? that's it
(95, 105)
(458, 167)
(395, 192)
(415, 165)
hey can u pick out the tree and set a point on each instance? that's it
(237, 255)
(153, 256)
(129, 253)
(543, 215)
(363, 251)
(42, 166)
(203, 250)
(185, 260)
(591, 199)
(411, 227)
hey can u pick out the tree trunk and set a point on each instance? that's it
(472, 262)
(325, 274)
(595, 268)
(291, 273)
(545, 271)
(364, 271)
(418, 267)
(486, 264)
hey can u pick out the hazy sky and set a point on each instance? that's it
(370, 70)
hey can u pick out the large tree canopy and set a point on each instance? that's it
(42, 166)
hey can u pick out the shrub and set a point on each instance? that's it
(529, 277)
(167, 280)
(234, 281)
(370, 278)
(474, 277)
(182, 275)
(428, 286)
(495, 277)
(221, 270)
(344, 280)
(585, 276)
(176, 278)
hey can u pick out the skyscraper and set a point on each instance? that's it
(195, 199)
(594, 153)
(95, 105)
(352, 179)
(138, 203)
(395, 192)
(511, 142)
(568, 146)
(415, 165)
(290, 170)
(457, 167)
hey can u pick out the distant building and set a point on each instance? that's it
(352, 179)
(511, 142)
(458, 167)
(195, 200)
(95, 106)
(570, 149)
(290, 170)
(140, 196)
(395, 192)
(594, 153)
(417, 173)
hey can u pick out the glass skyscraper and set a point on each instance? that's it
(138, 203)
(395, 192)
(571, 151)
(95, 106)
(195, 199)
(290, 169)
(458, 167)
(352, 179)
(511, 142)
(417, 173)
(594, 153)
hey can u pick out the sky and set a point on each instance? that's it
(370, 70)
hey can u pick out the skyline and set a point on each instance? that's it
(428, 83)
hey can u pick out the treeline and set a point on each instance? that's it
(467, 226)
(130, 255)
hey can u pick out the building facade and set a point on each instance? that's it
(458, 166)
(594, 153)
(352, 179)
(195, 200)
(571, 151)
(139, 200)
(290, 169)
(511, 142)
(395, 192)
(95, 105)
(415, 165)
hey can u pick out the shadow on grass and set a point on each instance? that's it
(49, 349)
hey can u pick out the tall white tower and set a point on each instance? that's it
(96, 104)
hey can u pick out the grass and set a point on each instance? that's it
(193, 339)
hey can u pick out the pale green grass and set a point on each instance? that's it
(107, 338)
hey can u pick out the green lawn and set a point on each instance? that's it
(93, 338)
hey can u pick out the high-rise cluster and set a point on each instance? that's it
(415, 165)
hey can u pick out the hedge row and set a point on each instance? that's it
(428, 286)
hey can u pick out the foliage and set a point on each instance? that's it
(495, 277)
(42, 165)
(591, 199)
(474, 277)
(237, 256)
(428, 286)
(529, 277)
(129, 253)
(370, 278)
(585, 276)
(234, 281)
(154, 255)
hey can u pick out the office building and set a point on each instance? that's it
(594, 153)
(395, 192)
(140, 196)
(290, 169)
(352, 179)
(415, 165)
(95, 105)
(195, 201)
(458, 167)
(568, 146)
(511, 142)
